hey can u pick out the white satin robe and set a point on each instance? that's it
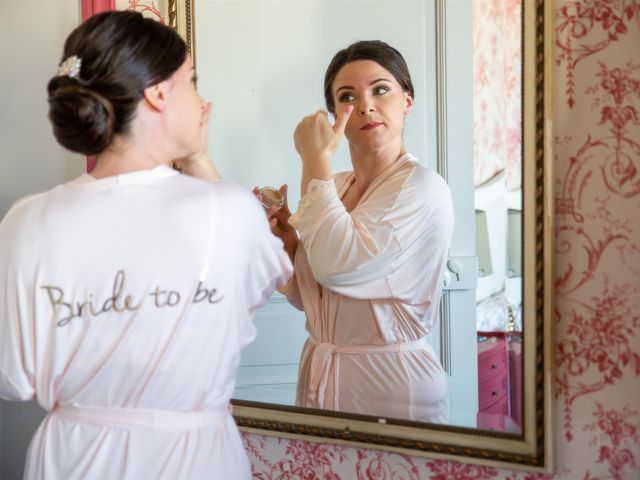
(369, 282)
(124, 303)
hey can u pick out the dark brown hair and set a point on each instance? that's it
(122, 53)
(376, 50)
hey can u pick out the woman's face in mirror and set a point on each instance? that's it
(379, 104)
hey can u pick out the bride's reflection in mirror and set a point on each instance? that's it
(372, 247)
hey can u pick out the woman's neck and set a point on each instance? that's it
(127, 158)
(367, 166)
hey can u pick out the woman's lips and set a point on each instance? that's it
(371, 126)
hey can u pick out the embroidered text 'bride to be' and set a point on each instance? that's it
(68, 309)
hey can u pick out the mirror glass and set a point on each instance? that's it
(262, 64)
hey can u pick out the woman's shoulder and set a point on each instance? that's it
(25, 206)
(423, 176)
(235, 202)
(425, 191)
(419, 186)
(21, 226)
(225, 190)
(25, 203)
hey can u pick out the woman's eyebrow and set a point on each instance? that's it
(344, 87)
(381, 79)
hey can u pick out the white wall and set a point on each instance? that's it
(265, 75)
(31, 40)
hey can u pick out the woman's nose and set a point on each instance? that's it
(365, 106)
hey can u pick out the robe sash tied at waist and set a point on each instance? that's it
(322, 358)
(152, 419)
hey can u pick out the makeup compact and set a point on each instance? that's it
(271, 197)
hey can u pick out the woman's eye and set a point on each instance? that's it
(346, 97)
(380, 90)
(194, 80)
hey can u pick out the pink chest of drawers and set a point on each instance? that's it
(493, 376)
(499, 381)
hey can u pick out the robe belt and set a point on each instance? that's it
(156, 420)
(322, 357)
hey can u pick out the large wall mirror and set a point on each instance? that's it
(481, 119)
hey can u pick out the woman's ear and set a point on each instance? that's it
(156, 96)
(409, 106)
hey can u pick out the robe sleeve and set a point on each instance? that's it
(266, 266)
(269, 265)
(292, 291)
(17, 356)
(404, 224)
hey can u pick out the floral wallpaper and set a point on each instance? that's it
(149, 8)
(497, 92)
(597, 275)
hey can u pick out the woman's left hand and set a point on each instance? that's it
(279, 222)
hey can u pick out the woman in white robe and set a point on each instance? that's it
(372, 248)
(127, 294)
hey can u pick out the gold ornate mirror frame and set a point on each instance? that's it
(532, 448)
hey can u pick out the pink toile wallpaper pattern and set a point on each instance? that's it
(597, 275)
(497, 91)
(149, 8)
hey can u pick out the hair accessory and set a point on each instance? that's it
(70, 67)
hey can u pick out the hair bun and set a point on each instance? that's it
(83, 120)
(107, 62)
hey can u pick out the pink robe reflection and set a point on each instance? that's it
(369, 282)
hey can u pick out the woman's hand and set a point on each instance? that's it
(199, 164)
(316, 141)
(279, 222)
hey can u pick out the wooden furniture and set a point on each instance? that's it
(493, 382)
(499, 381)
